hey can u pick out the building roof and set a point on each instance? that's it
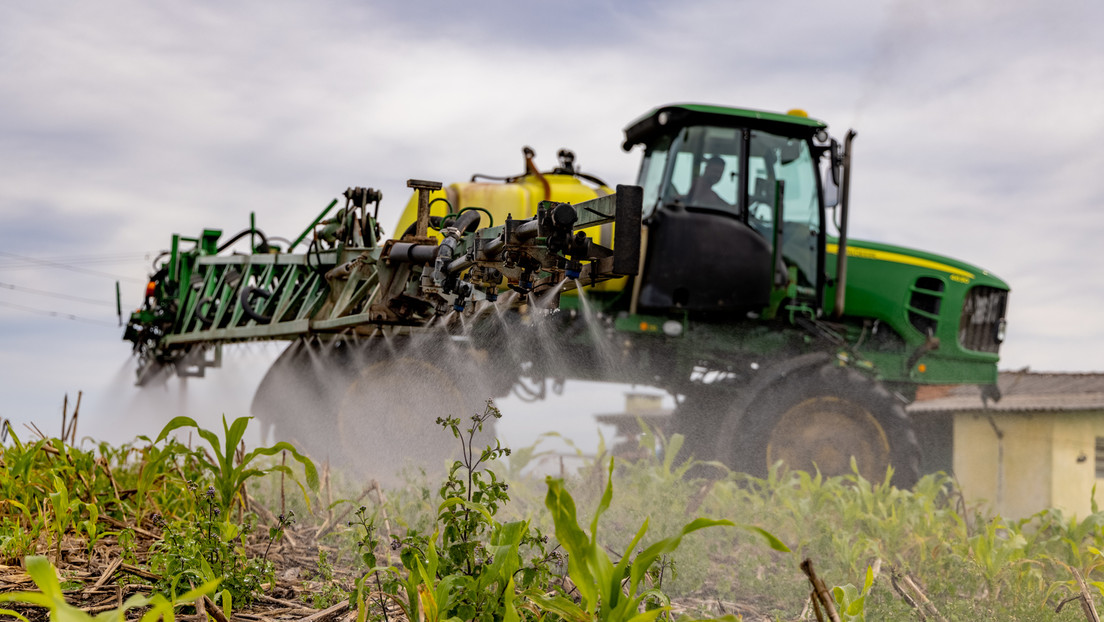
(1021, 391)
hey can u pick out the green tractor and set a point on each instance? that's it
(715, 278)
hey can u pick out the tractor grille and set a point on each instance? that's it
(981, 327)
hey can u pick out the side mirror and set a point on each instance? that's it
(836, 161)
(830, 174)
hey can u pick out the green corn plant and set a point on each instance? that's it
(155, 466)
(611, 592)
(850, 601)
(91, 527)
(51, 597)
(229, 474)
(994, 550)
(63, 509)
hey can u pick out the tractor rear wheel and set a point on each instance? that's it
(371, 407)
(811, 414)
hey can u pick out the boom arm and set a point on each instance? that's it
(345, 281)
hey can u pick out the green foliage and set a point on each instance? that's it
(205, 549)
(51, 597)
(472, 547)
(850, 602)
(229, 471)
(607, 591)
(471, 566)
(366, 545)
(331, 592)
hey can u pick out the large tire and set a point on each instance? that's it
(810, 413)
(371, 407)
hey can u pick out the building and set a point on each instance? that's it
(1040, 446)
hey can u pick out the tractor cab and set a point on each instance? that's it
(733, 208)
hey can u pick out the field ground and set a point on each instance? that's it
(158, 515)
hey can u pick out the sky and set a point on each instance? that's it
(980, 132)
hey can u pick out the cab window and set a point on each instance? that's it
(773, 159)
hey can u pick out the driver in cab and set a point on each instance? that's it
(702, 193)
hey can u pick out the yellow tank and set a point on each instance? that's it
(518, 199)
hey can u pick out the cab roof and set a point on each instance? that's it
(645, 128)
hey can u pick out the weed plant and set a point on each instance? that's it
(208, 549)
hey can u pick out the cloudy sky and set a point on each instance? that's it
(980, 125)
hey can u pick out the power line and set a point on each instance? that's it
(82, 259)
(40, 292)
(62, 266)
(118, 255)
(57, 314)
(18, 264)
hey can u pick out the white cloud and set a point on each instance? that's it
(123, 122)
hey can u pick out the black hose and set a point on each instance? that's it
(158, 258)
(286, 241)
(247, 296)
(207, 317)
(240, 235)
(468, 221)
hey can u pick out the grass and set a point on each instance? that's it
(479, 547)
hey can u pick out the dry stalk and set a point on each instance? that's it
(1087, 605)
(820, 593)
(338, 608)
(213, 609)
(110, 570)
(921, 603)
(34, 428)
(102, 462)
(816, 607)
(64, 415)
(904, 596)
(70, 433)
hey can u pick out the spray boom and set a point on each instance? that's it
(345, 281)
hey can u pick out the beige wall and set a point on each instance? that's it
(1040, 467)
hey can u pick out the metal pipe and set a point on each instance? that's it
(526, 230)
(460, 263)
(407, 252)
(841, 251)
(423, 189)
(495, 246)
